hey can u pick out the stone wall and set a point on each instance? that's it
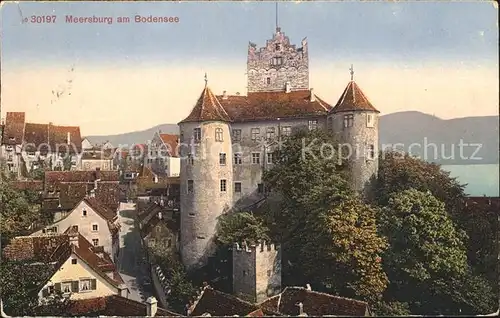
(266, 74)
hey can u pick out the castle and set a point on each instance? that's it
(233, 140)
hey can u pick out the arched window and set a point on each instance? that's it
(219, 134)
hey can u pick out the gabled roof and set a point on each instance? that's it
(58, 138)
(14, 128)
(33, 185)
(353, 99)
(81, 176)
(172, 143)
(107, 306)
(217, 303)
(207, 108)
(46, 248)
(314, 303)
(36, 135)
(103, 211)
(274, 105)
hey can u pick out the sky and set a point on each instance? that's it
(439, 58)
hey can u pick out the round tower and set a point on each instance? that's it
(354, 121)
(206, 177)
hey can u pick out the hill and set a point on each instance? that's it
(458, 141)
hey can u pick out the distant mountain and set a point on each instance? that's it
(421, 134)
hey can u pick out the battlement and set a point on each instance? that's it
(250, 248)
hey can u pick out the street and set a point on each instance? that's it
(132, 262)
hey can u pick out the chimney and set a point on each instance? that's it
(123, 290)
(308, 287)
(68, 138)
(288, 87)
(311, 97)
(151, 306)
(224, 95)
(160, 216)
(73, 238)
(301, 309)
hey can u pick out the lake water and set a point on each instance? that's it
(481, 179)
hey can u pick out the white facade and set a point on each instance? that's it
(173, 166)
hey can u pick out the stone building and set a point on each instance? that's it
(227, 141)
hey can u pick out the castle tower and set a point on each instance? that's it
(354, 121)
(256, 271)
(277, 65)
(206, 177)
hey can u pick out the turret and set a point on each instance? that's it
(256, 271)
(355, 121)
(206, 177)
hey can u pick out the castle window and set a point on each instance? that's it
(370, 122)
(268, 80)
(255, 133)
(223, 185)
(190, 159)
(197, 134)
(276, 61)
(256, 158)
(371, 152)
(95, 242)
(219, 134)
(270, 158)
(237, 187)
(313, 124)
(286, 131)
(190, 186)
(222, 159)
(270, 133)
(238, 158)
(348, 120)
(236, 134)
(260, 188)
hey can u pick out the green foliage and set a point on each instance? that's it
(37, 174)
(240, 227)
(19, 286)
(391, 309)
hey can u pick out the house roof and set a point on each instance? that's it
(36, 248)
(207, 108)
(314, 303)
(81, 176)
(167, 223)
(217, 303)
(106, 154)
(353, 99)
(102, 210)
(14, 128)
(108, 306)
(273, 105)
(58, 138)
(172, 142)
(36, 135)
(33, 185)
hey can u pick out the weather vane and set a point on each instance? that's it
(206, 79)
(352, 72)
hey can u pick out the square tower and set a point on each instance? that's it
(256, 271)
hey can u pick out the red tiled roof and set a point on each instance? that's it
(273, 105)
(97, 206)
(108, 306)
(106, 154)
(36, 135)
(217, 303)
(58, 138)
(81, 176)
(257, 313)
(353, 99)
(207, 108)
(36, 248)
(14, 128)
(33, 185)
(315, 303)
(172, 142)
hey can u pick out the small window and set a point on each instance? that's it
(84, 212)
(313, 124)
(256, 158)
(270, 133)
(348, 120)
(370, 121)
(245, 273)
(190, 186)
(286, 131)
(66, 287)
(169, 243)
(371, 152)
(95, 242)
(87, 284)
(238, 158)
(260, 188)
(236, 135)
(223, 185)
(95, 227)
(222, 159)
(219, 135)
(192, 214)
(269, 272)
(268, 80)
(197, 134)
(255, 133)
(75, 228)
(237, 187)
(190, 159)
(270, 158)
(73, 261)
(278, 47)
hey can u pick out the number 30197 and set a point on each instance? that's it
(43, 19)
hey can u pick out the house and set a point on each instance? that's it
(31, 145)
(93, 159)
(86, 144)
(159, 226)
(80, 270)
(299, 301)
(63, 190)
(110, 306)
(164, 155)
(92, 220)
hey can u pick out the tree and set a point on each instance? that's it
(240, 227)
(20, 283)
(37, 174)
(427, 262)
